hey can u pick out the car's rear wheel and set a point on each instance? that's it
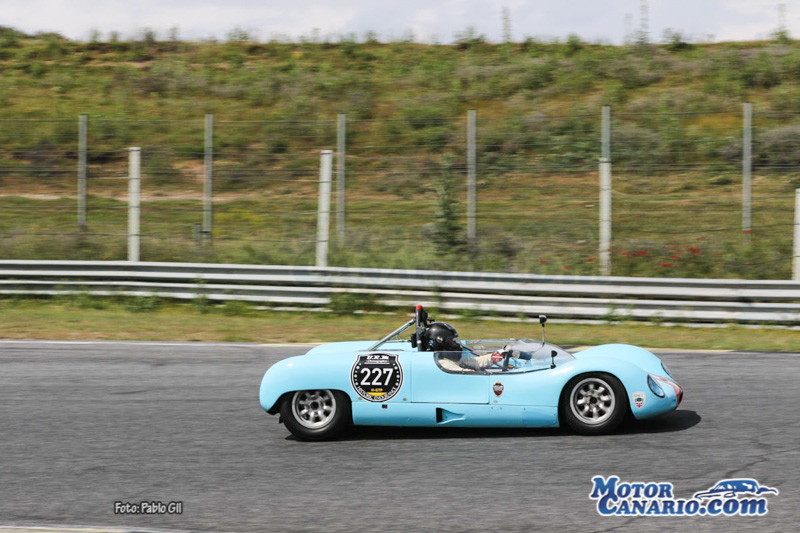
(316, 414)
(593, 404)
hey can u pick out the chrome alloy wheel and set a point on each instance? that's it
(313, 409)
(592, 401)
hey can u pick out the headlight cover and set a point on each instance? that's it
(666, 369)
(655, 387)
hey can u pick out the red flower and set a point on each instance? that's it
(694, 249)
(590, 260)
(626, 254)
(674, 257)
(668, 265)
(702, 238)
(565, 267)
(543, 260)
(641, 252)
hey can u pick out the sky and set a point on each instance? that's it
(427, 20)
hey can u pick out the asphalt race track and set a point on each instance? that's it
(83, 425)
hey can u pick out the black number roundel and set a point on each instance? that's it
(377, 377)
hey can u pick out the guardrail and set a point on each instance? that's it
(577, 297)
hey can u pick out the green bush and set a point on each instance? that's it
(236, 308)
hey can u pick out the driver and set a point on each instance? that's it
(442, 337)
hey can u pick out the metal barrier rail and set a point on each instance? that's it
(580, 297)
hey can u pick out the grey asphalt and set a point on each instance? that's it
(85, 425)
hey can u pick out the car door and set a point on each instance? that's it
(533, 392)
(432, 384)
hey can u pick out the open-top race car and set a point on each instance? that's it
(436, 379)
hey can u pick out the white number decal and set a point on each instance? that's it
(375, 373)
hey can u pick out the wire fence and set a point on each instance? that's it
(677, 192)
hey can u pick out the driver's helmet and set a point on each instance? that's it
(442, 337)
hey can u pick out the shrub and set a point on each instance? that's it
(469, 39)
(236, 308)
(760, 72)
(675, 41)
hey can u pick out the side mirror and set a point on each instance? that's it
(542, 320)
(553, 355)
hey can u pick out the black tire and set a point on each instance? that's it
(593, 404)
(316, 414)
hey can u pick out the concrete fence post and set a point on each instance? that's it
(796, 262)
(341, 197)
(472, 177)
(83, 129)
(747, 169)
(605, 193)
(324, 207)
(134, 187)
(208, 183)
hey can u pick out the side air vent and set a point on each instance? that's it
(444, 416)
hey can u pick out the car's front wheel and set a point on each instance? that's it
(593, 404)
(316, 414)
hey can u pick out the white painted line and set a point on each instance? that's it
(201, 344)
(127, 343)
(22, 529)
(56, 529)
(292, 345)
(687, 350)
(82, 529)
(188, 344)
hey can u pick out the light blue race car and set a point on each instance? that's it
(434, 379)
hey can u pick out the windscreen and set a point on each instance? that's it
(489, 356)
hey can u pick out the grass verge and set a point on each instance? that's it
(148, 319)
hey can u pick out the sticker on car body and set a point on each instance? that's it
(498, 388)
(377, 377)
(638, 399)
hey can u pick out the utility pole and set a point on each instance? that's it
(783, 34)
(644, 30)
(628, 29)
(507, 38)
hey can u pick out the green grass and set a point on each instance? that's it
(676, 176)
(87, 318)
(672, 231)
